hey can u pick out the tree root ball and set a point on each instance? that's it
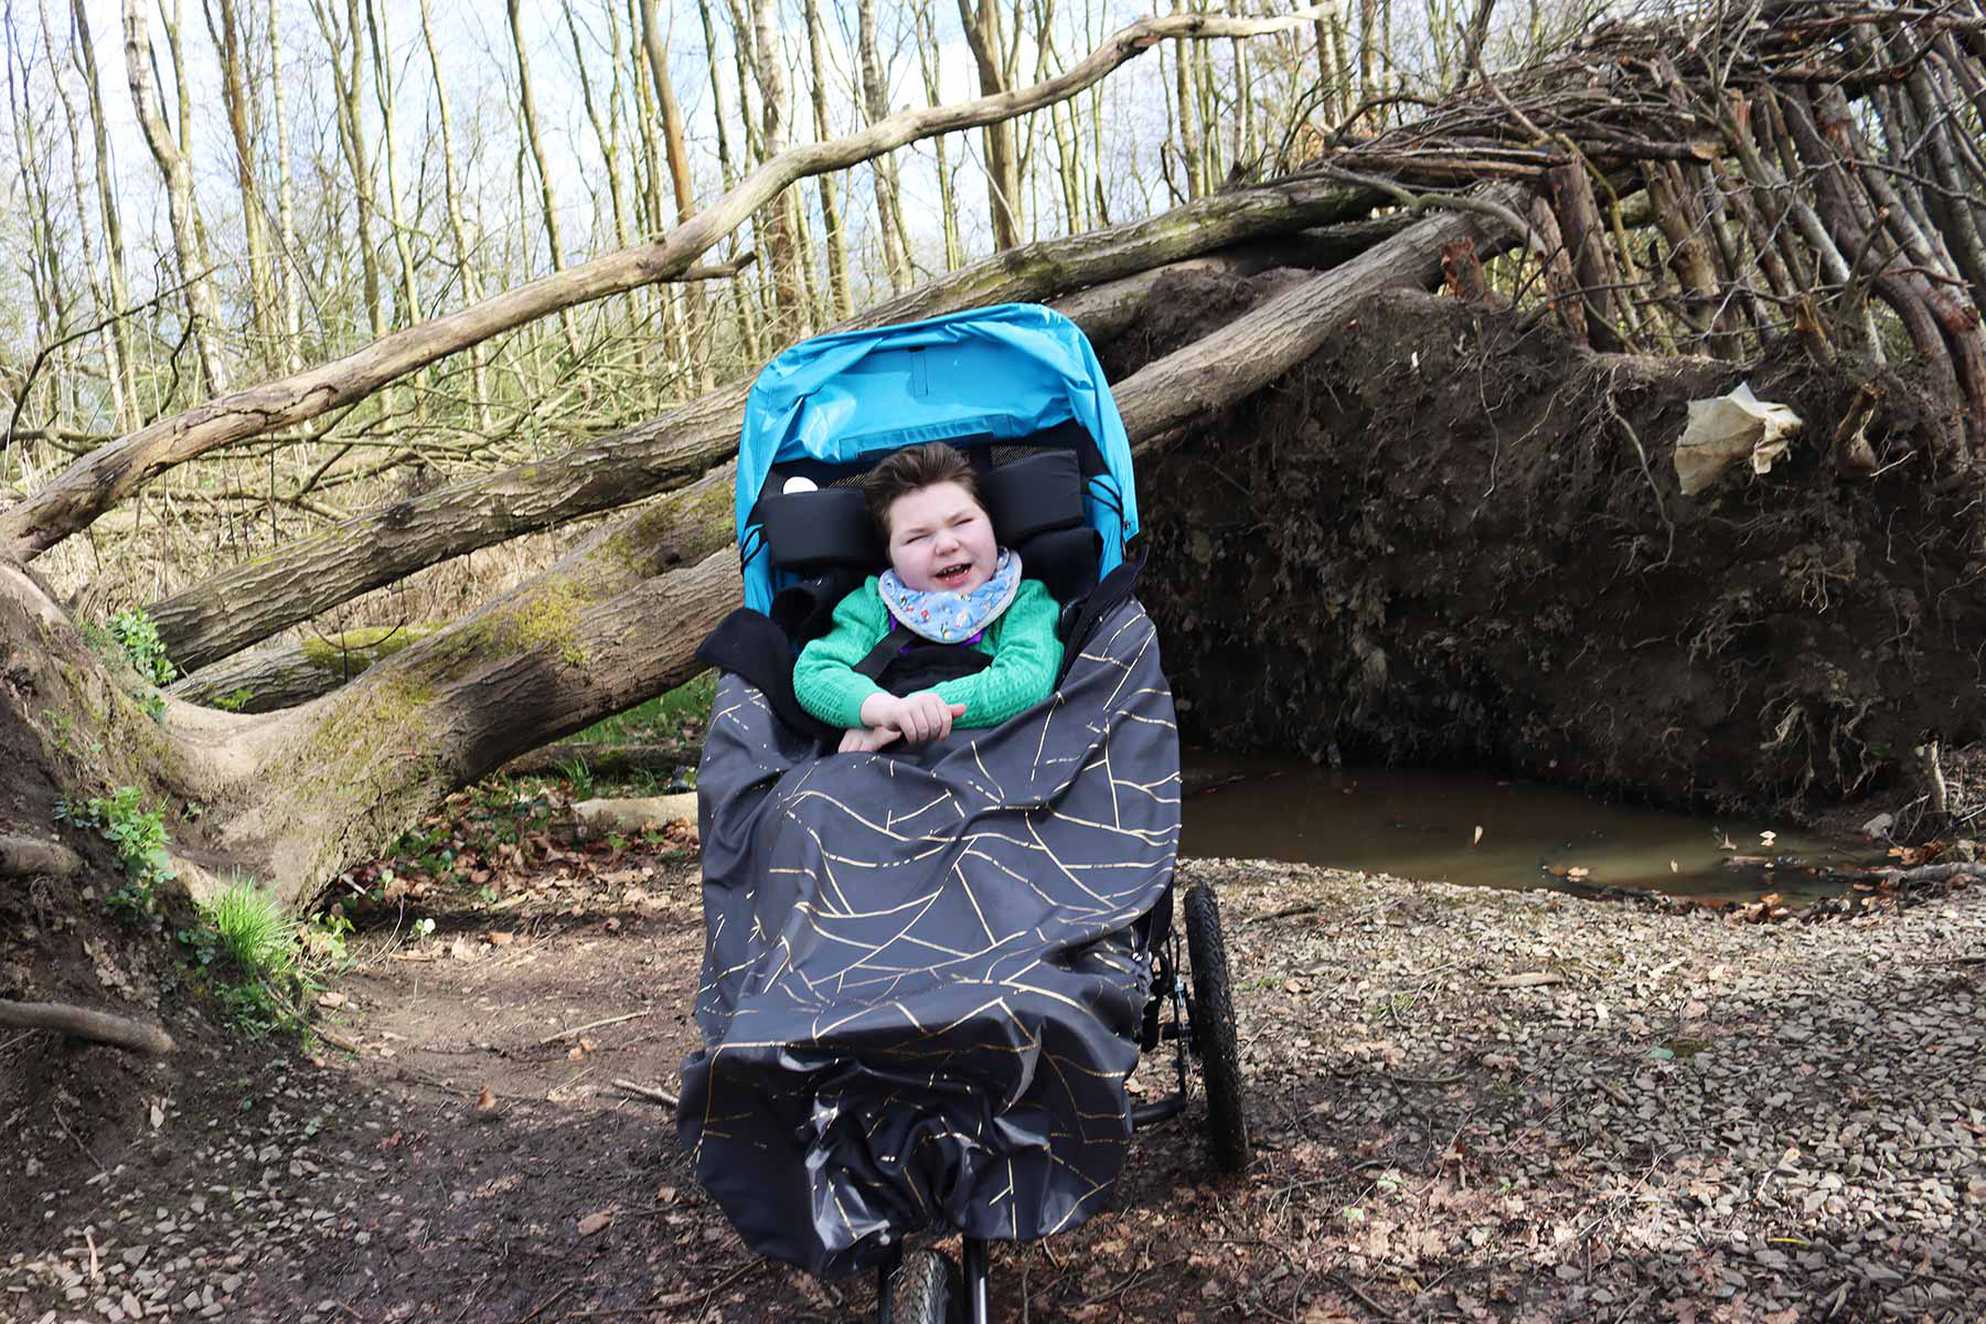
(1454, 538)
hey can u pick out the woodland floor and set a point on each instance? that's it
(1690, 1119)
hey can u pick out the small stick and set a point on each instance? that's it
(82, 1023)
(1364, 1300)
(593, 1025)
(649, 1092)
(337, 1040)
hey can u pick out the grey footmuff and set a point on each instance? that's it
(924, 973)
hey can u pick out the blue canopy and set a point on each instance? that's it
(984, 374)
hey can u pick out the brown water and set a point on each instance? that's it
(1424, 825)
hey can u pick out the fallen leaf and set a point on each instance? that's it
(486, 1101)
(595, 1222)
(499, 938)
(665, 1195)
(331, 999)
(158, 1115)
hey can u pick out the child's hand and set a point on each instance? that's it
(867, 739)
(920, 717)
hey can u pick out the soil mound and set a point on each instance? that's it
(1455, 538)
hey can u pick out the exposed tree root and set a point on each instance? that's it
(25, 857)
(81, 1023)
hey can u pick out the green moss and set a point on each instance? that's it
(369, 721)
(547, 618)
(705, 515)
(363, 646)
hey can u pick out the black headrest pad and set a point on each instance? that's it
(1033, 495)
(1063, 559)
(828, 526)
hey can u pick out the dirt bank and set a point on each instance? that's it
(1451, 539)
(1469, 1104)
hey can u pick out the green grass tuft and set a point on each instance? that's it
(253, 930)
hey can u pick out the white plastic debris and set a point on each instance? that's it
(1731, 427)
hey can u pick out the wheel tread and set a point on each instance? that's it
(1213, 1030)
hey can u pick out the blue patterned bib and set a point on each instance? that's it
(948, 616)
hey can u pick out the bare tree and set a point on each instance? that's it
(548, 201)
(287, 256)
(677, 149)
(993, 48)
(834, 238)
(224, 26)
(347, 64)
(468, 260)
(883, 175)
(194, 266)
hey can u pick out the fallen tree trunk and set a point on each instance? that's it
(1260, 346)
(230, 611)
(285, 676)
(100, 479)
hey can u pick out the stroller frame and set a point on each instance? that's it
(1017, 375)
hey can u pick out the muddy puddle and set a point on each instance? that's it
(1424, 825)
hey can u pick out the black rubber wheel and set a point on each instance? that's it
(924, 1289)
(1213, 1030)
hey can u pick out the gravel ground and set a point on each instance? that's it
(1699, 1119)
(1468, 1104)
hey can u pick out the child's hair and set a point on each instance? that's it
(913, 468)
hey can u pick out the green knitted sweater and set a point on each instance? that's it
(1026, 659)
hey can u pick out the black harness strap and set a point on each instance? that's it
(879, 658)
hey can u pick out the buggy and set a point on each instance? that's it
(928, 973)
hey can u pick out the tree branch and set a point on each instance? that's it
(93, 484)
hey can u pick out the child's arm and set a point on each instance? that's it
(1026, 659)
(824, 679)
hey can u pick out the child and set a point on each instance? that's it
(948, 584)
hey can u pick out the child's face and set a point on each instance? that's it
(940, 538)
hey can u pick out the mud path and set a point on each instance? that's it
(1669, 1119)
